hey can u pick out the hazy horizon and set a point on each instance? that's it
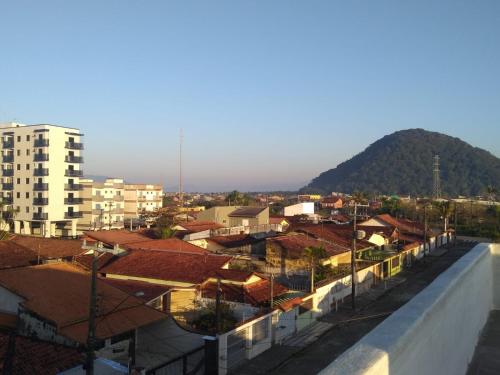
(268, 95)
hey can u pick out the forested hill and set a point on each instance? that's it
(402, 163)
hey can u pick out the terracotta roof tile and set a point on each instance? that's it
(236, 240)
(247, 212)
(340, 235)
(139, 289)
(200, 226)
(50, 248)
(170, 244)
(14, 255)
(116, 237)
(295, 245)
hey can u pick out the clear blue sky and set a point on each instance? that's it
(269, 93)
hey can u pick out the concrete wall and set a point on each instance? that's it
(437, 331)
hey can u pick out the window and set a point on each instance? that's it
(18, 208)
(19, 181)
(19, 167)
(19, 138)
(27, 167)
(27, 180)
(28, 152)
(18, 195)
(27, 209)
(18, 152)
(28, 138)
(27, 195)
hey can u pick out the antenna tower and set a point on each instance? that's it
(181, 139)
(436, 190)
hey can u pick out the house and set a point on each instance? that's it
(236, 244)
(279, 220)
(286, 253)
(308, 197)
(115, 237)
(217, 214)
(51, 303)
(332, 203)
(339, 235)
(196, 230)
(49, 249)
(235, 216)
(409, 231)
(304, 208)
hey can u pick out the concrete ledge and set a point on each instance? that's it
(437, 331)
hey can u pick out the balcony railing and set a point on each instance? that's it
(73, 215)
(7, 186)
(73, 200)
(8, 172)
(74, 145)
(8, 144)
(41, 172)
(73, 173)
(41, 157)
(40, 216)
(41, 142)
(41, 186)
(7, 200)
(40, 201)
(8, 158)
(73, 187)
(73, 159)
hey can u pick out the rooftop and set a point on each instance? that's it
(49, 248)
(199, 226)
(340, 235)
(169, 244)
(296, 243)
(59, 293)
(247, 211)
(116, 237)
(13, 255)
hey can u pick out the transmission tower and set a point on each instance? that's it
(436, 190)
(181, 198)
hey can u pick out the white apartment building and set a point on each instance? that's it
(41, 170)
(142, 198)
(103, 205)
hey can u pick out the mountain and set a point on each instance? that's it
(402, 163)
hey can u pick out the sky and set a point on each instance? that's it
(268, 93)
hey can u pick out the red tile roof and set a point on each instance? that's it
(340, 235)
(116, 237)
(59, 293)
(295, 244)
(236, 240)
(14, 255)
(277, 219)
(255, 294)
(33, 356)
(167, 266)
(85, 260)
(403, 225)
(139, 289)
(199, 226)
(49, 248)
(170, 244)
(233, 275)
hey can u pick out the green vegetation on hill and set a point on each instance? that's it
(402, 163)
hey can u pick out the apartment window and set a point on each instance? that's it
(27, 180)
(28, 138)
(18, 195)
(27, 210)
(18, 208)
(27, 167)
(28, 152)
(19, 167)
(19, 138)
(18, 152)
(98, 206)
(19, 181)
(27, 195)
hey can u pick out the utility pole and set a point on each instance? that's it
(217, 308)
(89, 364)
(425, 228)
(436, 190)
(312, 274)
(353, 260)
(271, 304)
(456, 222)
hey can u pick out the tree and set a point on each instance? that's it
(235, 198)
(164, 228)
(207, 319)
(315, 254)
(8, 214)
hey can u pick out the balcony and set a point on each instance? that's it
(7, 200)
(41, 142)
(7, 186)
(41, 172)
(40, 216)
(73, 200)
(118, 198)
(73, 187)
(9, 158)
(41, 157)
(40, 186)
(73, 215)
(73, 173)
(73, 159)
(74, 146)
(8, 144)
(40, 201)
(8, 172)
(98, 198)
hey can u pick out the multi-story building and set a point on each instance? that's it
(142, 198)
(103, 205)
(41, 170)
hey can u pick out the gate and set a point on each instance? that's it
(191, 363)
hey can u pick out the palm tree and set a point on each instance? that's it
(315, 254)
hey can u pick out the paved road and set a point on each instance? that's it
(316, 356)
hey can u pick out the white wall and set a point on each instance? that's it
(305, 208)
(437, 331)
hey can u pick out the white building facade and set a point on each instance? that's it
(41, 170)
(305, 208)
(103, 205)
(142, 198)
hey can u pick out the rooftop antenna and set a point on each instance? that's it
(181, 138)
(436, 191)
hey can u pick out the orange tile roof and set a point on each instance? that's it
(167, 266)
(340, 235)
(50, 248)
(116, 237)
(142, 290)
(200, 226)
(170, 244)
(14, 255)
(59, 292)
(33, 356)
(296, 243)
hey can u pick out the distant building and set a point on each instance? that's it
(41, 168)
(308, 197)
(234, 216)
(305, 208)
(332, 203)
(103, 204)
(142, 198)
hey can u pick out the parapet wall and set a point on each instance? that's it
(437, 331)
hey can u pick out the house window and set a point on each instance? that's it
(27, 210)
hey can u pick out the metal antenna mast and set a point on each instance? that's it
(181, 138)
(436, 191)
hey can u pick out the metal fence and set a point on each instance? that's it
(191, 363)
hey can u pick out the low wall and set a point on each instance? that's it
(437, 331)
